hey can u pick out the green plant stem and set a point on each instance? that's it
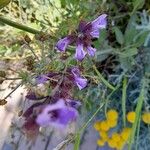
(103, 79)
(138, 114)
(77, 135)
(19, 26)
(138, 133)
(108, 97)
(86, 124)
(77, 142)
(124, 95)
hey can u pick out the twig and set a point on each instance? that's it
(61, 145)
(59, 83)
(32, 50)
(13, 90)
(48, 141)
(12, 78)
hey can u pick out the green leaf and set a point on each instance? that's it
(119, 35)
(4, 3)
(137, 4)
(130, 31)
(129, 52)
(126, 63)
(140, 39)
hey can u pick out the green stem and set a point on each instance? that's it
(124, 95)
(103, 79)
(19, 26)
(138, 114)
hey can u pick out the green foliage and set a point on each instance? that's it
(4, 3)
(119, 35)
(122, 53)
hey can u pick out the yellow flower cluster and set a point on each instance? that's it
(110, 122)
(116, 140)
(105, 125)
(146, 117)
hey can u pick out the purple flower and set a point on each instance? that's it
(80, 53)
(57, 115)
(91, 51)
(41, 79)
(83, 37)
(79, 81)
(73, 103)
(63, 43)
(99, 23)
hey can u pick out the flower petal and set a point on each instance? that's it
(81, 82)
(63, 43)
(91, 51)
(41, 79)
(73, 103)
(100, 22)
(95, 33)
(82, 26)
(80, 53)
(75, 71)
(57, 115)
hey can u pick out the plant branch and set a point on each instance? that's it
(19, 26)
(13, 90)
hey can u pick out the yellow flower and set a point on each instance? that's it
(104, 126)
(131, 116)
(116, 137)
(97, 125)
(125, 133)
(103, 135)
(100, 142)
(146, 117)
(120, 144)
(112, 114)
(112, 143)
(112, 123)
